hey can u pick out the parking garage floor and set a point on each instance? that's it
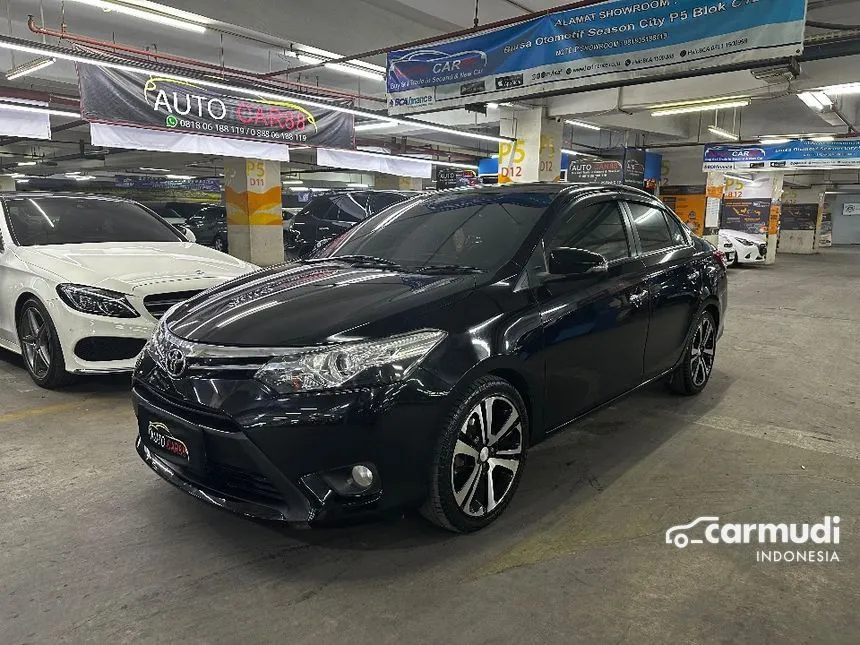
(94, 547)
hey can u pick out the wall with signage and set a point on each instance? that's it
(615, 166)
(689, 202)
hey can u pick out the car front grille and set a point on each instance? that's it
(241, 483)
(158, 304)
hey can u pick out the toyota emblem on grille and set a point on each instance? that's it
(175, 363)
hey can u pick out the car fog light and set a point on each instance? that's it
(362, 476)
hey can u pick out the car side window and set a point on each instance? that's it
(351, 207)
(653, 227)
(381, 201)
(598, 228)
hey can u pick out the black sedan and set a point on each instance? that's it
(416, 360)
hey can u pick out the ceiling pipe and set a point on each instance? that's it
(112, 47)
(435, 39)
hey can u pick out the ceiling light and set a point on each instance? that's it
(21, 181)
(815, 100)
(82, 177)
(16, 175)
(28, 68)
(581, 124)
(722, 133)
(39, 110)
(494, 156)
(825, 139)
(843, 88)
(355, 71)
(363, 127)
(492, 106)
(37, 48)
(27, 163)
(738, 178)
(299, 189)
(153, 12)
(147, 169)
(76, 172)
(357, 186)
(179, 176)
(669, 109)
(567, 151)
(775, 140)
(292, 182)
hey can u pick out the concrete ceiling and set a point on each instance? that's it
(253, 34)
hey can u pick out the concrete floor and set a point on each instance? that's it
(95, 548)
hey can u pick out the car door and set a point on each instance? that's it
(595, 326)
(674, 282)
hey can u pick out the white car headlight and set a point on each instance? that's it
(99, 302)
(374, 362)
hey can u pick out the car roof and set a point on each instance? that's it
(549, 188)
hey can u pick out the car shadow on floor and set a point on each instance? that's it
(560, 473)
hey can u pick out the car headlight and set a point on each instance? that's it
(745, 241)
(99, 302)
(376, 362)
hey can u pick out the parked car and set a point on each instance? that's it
(749, 248)
(209, 226)
(728, 249)
(327, 216)
(83, 281)
(419, 358)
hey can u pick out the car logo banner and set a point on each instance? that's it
(609, 42)
(145, 100)
(794, 154)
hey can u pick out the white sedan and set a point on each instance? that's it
(749, 248)
(83, 281)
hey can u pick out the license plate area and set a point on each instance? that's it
(175, 442)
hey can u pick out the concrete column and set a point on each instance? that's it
(7, 184)
(714, 200)
(536, 155)
(775, 212)
(252, 191)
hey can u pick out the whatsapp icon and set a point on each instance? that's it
(171, 121)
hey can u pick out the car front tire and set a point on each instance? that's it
(40, 346)
(220, 244)
(694, 372)
(479, 459)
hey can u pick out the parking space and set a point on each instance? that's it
(95, 548)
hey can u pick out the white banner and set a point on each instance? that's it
(357, 160)
(122, 136)
(30, 125)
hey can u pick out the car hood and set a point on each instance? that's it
(125, 266)
(752, 237)
(309, 304)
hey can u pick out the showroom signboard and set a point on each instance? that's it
(799, 217)
(794, 154)
(158, 103)
(613, 41)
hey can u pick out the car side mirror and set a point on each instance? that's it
(565, 261)
(188, 233)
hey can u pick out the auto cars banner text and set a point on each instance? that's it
(794, 154)
(148, 101)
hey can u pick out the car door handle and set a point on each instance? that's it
(638, 298)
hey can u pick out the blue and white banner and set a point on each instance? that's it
(794, 154)
(607, 42)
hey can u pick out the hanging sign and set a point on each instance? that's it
(610, 42)
(148, 101)
(455, 177)
(794, 154)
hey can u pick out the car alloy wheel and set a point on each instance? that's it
(219, 244)
(702, 351)
(480, 457)
(694, 372)
(40, 346)
(35, 342)
(486, 456)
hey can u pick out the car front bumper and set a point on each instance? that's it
(269, 459)
(751, 254)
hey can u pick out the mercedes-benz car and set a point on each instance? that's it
(419, 356)
(83, 281)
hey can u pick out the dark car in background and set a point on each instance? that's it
(208, 222)
(429, 347)
(327, 216)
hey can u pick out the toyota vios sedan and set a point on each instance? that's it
(420, 356)
(83, 281)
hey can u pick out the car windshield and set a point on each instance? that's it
(460, 229)
(76, 220)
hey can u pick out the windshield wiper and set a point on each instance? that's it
(357, 260)
(447, 268)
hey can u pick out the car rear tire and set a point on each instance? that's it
(40, 346)
(694, 372)
(479, 459)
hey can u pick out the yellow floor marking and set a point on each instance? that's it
(20, 415)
